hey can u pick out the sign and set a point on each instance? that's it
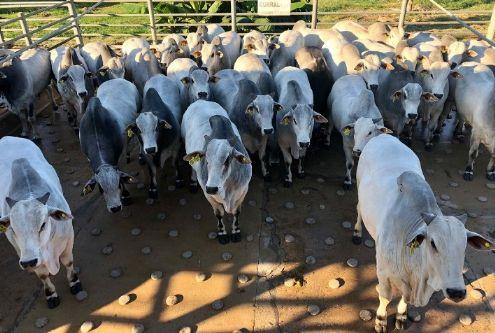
(274, 7)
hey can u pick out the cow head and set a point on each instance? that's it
(369, 68)
(72, 82)
(198, 84)
(262, 109)
(167, 52)
(434, 76)
(364, 130)
(212, 56)
(29, 225)
(110, 181)
(195, 42)
(259, 47)
(410, 97)
(220, 157)
(301, 117)
(408, 58)
(113, 69)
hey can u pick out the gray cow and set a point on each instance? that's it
(398, 99)
(140, 66)
(254, 69)
(295, 124)
(103, 139)
(35, 215)
(158, 128)
(251, 112)
(215, 152)
(102, 61)
(21, 81)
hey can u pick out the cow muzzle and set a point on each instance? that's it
(82, 93)
(28, 263)
(374, 87)
(303, 144)
(116, 209)
(456, 295)
(150, 150)
(356, 153)
(202, 95)
(211, 189)
(412, 116)
(439, 96)
(268, 131)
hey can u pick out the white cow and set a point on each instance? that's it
(35, 215)
(215, 151)
(418, 249)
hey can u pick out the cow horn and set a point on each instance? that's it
(428, 217)
(10, 202)
(43, 199)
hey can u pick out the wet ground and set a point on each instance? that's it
(264, 303)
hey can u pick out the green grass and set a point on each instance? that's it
(360, 9)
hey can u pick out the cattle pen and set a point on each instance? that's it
(156, 266)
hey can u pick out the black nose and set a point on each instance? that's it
(204, 68)
(202, 95)
(30, 263)
(356, 152)
(304, 144)
(267, 61)
(439, 96)
(412, 116)
(211, 190)
(116, 209)
(2, 106)
(82, 93)
(374, 87)
(456, 295)
(453, 65)
(268, 131)
(151, 150)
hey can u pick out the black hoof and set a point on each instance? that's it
(300, 175)
(460, 138)
(267, 177)
(436, 137)
(400, 324)
(126, 201)
(223, 239)
(235, 238)
(76, 288)
(347, 186)
(490, 176)
(287, 184)
(468, 176)
(193, 188)
(429, 147)
(179, 183)
(53, 302)
(76, 131)
(152, 194)
(357, 240)
(128, 160)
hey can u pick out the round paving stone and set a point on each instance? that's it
(322, 206)
(482, 198)
(369, 243)
(329, 241)
(226, 256)
(96, 231)
(183, 202)
(365, 315)
(252, 203)
(305, 191)
(320, 180)
(187, 254)
(334, 284)
(340, 193)
(217, 305)
(136, 232)
(149, 201)
(465, 319)
(162, 216)
(476, 294)
(116, 272)
(172, 300)
(290, 282)
(249, 238)
(445, 197)
(347, 225)
(310, 260)
(242, 278)
(289, 238)
(137, 328)
(197, 216)
(156, 275)
(352, 262)
(269, 219)
(289, 205)
(107, 250)
(201, 277)
(491, 186)
(313, 309)
(453, 184)
(173, 233)
(86, 326)
(310, 220)
(41, 322)
(124, 299)
(212, 235)
(75, 183)
(82, 295)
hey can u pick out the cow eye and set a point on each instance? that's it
(42, 226)
(295, 122)
(369, 133)
(431, 76)
(226, 163)
(212, 55)
(433, 245)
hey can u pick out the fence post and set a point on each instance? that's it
(71, 7)
(491, 27)
(25, 28)
(402, 17)
(151, 11)
(233, 15)
(314, 14)
(2, 38)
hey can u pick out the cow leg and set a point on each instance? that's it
(153, 190)
(401, 316)
(264, 160)
(126, 196)
(288, 163)
(490, 169)
(349, 164)
(24, 124)
(222, 236)
(235, 237)
(32, 123)
(52, 298)
(430, 125)
(68, 261)
(179, 175)
(128, 150)
(473, 153)
(328, 133)
(357, 236)
(459, 130)
(193, 185)
(300, 168)
(385, 296)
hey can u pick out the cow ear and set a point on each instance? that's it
(194, 157)
(89, 75)
(196, 54)
(417, 237)
(103, 70)
(444, 49)
(185, 80)
(183, 43)
(213, 79)
(385, 130)
(287, 119)
(277, 107)
(456, 74)
(359, 66)
(59, 215)
(10, 202)
(132, 130)
(388, 66)
(251, 109)
(396, 95)
(164, 124)
(89, 187)
(471, 53)
(376, 120)
(319, 118)
(220, 54)
(249, 47)
(346, 130)
(241, 158)
(63, 78)
(4, 224)
(479, 242)
(274, 46)
(429, 97)
(398, 57)
(126, 178)
(44, 199)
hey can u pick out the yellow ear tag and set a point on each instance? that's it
(194, 159)
(285, 121)
(414, 246)
(130, 133)
(487, 245)
(2, 228)
(347, 131)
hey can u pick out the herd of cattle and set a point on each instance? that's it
(218, 99)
